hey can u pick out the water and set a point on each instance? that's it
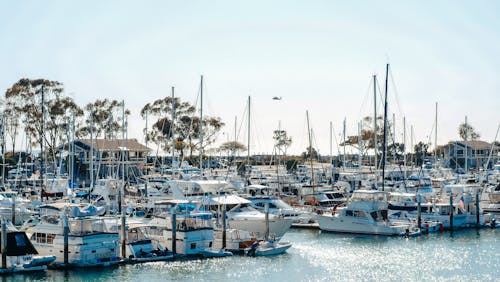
(464, 255)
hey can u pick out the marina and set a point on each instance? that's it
(249, 141)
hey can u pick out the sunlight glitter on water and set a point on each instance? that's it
(464, 256)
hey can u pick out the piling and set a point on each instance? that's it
(174, 231)
(123, 235)
(4, 244)
(419, 212)
(451, 211)
(13, 210)
(119, 201)
(66, 239)
(224, 227)
(266, 207)
(477, 210)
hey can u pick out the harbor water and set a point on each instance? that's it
(467, 255)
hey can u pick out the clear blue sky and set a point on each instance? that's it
(317, 55)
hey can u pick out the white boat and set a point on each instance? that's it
(280, 208)
(366, 213)
(141, 248)
(22, 255)
(268, 248)
(194, 229)
(89, 243)
(242, 216)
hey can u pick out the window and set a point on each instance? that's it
(193, 246)
(43, 238)
(20, 241)
(348, 213)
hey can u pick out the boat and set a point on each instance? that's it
(194, 232)
(89, 243)
(268, 248)
(366, 213)
(242, 216)
(21, 255)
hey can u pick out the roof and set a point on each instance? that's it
(115, 145)
(476, 145)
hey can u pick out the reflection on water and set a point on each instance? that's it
(316, 256)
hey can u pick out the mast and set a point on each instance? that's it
(385, 129)
(465, 143)
(172, 129)
(248, 137)
(72, 163)
(411, 144)
(344, 160)
(201, 124)
(404, 146)
(91, 150)
(122, 149)
(375, 129)
(41, 144)
(331, 143)
(359, 143)
(310, 151)
(394, 137)
(436, 136)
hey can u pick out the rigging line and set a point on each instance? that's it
(396, 94)
(368, 91)
(243, 122)
(381, 97)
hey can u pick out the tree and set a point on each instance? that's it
(367, 136)
(232, 147)
(282, 141)
(24, 102)
(310, 153)
(106, 119)
(467, 132)
(421, 151)
(185, 126)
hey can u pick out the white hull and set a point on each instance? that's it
(359, 226)
(257, 226)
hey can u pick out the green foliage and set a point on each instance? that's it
(467, 132)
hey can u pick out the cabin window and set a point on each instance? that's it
(359, 214)
(374, 215)
(20, 241)
(44, 238)
(348, 213)
(193, 246)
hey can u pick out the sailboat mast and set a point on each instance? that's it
(248, 137)
(466, 153)
(344, 133)
(201, 124)
(91, 150)
(404, 146)
(310, 150)
(436, 135)
(172, 128)
(385, 128)
(331, 143)
(375, 129)
(41, 144)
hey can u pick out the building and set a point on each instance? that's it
(110, 157)
(475, 152)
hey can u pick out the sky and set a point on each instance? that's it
(318, 56)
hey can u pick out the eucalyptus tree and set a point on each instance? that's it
(467, 132)
(184, 128)
(105, 116)
(42, 109)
